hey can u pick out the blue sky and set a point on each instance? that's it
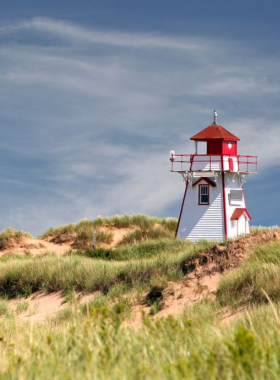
(94, 95)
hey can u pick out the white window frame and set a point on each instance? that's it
(202, 192)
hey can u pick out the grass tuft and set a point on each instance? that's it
(141, 234)
(51, 273)
(11, 237)
(81, 234)
(261, 270)
(95, 340)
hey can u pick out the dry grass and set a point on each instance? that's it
(80, 235)
(11, 237)
(144, 234)
(91, 341)
(260, 270)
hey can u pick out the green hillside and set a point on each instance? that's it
(232, 333)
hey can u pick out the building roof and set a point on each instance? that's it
(211, 183)
(238, 212)
(214, 131)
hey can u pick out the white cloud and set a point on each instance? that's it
(88, 131)
(79, 34)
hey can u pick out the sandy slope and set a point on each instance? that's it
(40, 306)
(202, 281)
(37, 247)
(204, 273)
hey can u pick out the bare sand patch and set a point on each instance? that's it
(118, 234)
(36, 247)
(40, 306)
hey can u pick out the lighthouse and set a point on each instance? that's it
(214, 206)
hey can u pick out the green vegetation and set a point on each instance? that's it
(146, 249)
(94, 339)
(255, 230)
(22, 306)
(4, 308)
(84, 237)
(142, 234)
(51, 273)
(9, 237)
(194, 346)
(81, 234)
(260, 270)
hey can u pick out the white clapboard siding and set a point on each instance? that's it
(234, 163)
(232, 183)
(202, 221)
(213, 163)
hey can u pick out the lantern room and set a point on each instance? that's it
(218, 140)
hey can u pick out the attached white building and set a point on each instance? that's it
(213, 206)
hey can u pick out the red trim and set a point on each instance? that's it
(199, 196)
(191, 161)
(238, 212)
(181, 209)
(182, 162)
(206, 180)
(224, 197)
(230, 164)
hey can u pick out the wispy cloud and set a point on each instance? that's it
(128, 40)
(91, 115)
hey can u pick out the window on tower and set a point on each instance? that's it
(203, 198)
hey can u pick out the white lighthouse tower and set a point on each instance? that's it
(213, 206)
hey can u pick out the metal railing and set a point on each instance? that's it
(187, 162)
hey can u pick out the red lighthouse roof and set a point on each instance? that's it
(214, 131)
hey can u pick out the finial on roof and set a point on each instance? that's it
(215, 117)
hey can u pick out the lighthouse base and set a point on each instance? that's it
(213, 209)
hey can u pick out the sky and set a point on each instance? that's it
(95, 94)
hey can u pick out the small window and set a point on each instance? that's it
(203, 198)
